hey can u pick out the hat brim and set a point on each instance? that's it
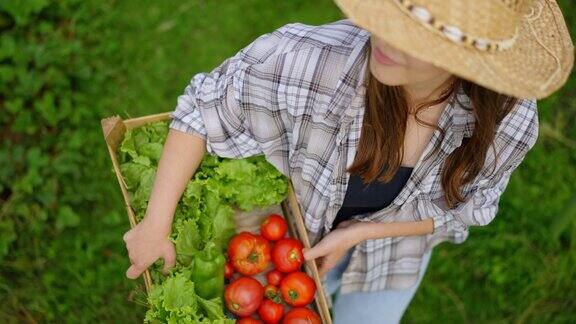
(536, 65)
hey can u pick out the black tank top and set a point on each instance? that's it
(363, 198)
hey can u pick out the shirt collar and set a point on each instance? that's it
(459, 120)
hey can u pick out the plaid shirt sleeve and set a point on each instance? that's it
(516, 135)
(211, 106)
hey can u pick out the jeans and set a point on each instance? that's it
(386, 306)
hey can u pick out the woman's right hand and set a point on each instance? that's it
(149, 240)
(147, 243)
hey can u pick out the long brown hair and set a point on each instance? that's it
(380, 149)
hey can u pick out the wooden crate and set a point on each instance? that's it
(114, 129)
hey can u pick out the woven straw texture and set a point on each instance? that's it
(537, 64)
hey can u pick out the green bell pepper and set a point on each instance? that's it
(208, 272)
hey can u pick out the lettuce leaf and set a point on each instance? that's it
(187, 240)
(213, 308)
(151, 151)
(131, 172)
(175, 301)
(127, 147)
(249, 183)
(142, 194)
(223, 226)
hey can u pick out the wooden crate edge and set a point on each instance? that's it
(310, 265)
(112, 128)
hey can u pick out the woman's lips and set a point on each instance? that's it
(382, 58)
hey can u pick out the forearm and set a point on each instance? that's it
(370, 230)
(180, 158)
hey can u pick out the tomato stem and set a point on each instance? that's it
(293, 256)
(276, 299)
(253, 257)
(293, 295)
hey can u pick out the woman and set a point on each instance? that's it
(399, 131)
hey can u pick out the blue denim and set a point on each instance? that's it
(386, 306)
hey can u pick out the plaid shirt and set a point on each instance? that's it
(296, 95)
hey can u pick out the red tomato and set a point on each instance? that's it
(248, 320)
(298, 289)
(270, 311)
(228, 270)
(243, 296)
(287, 255)
(273, 228)
(301, 315)
(274, 276)
(249, 253)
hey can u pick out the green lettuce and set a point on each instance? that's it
(175, 301)
(131, 172)
(142, 194)
(187, 240)
(214, 310)
(223, 226)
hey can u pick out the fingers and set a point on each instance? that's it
(144, 251)
(327, 264)
(169, 258)
(318, 250)
(322, 271)
(326, 258)
(134, 272)
(127, 236)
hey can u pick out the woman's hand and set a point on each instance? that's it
(147, 243)
(334, 246)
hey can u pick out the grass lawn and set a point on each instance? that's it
(505, 272)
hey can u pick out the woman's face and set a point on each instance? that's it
(395, 68)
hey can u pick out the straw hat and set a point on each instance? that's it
(516, 47)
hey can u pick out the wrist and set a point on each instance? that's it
(358, 233)
(161, 225)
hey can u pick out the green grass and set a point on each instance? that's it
(134, 58)
(165, 43)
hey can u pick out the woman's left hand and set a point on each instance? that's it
(334, 246)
